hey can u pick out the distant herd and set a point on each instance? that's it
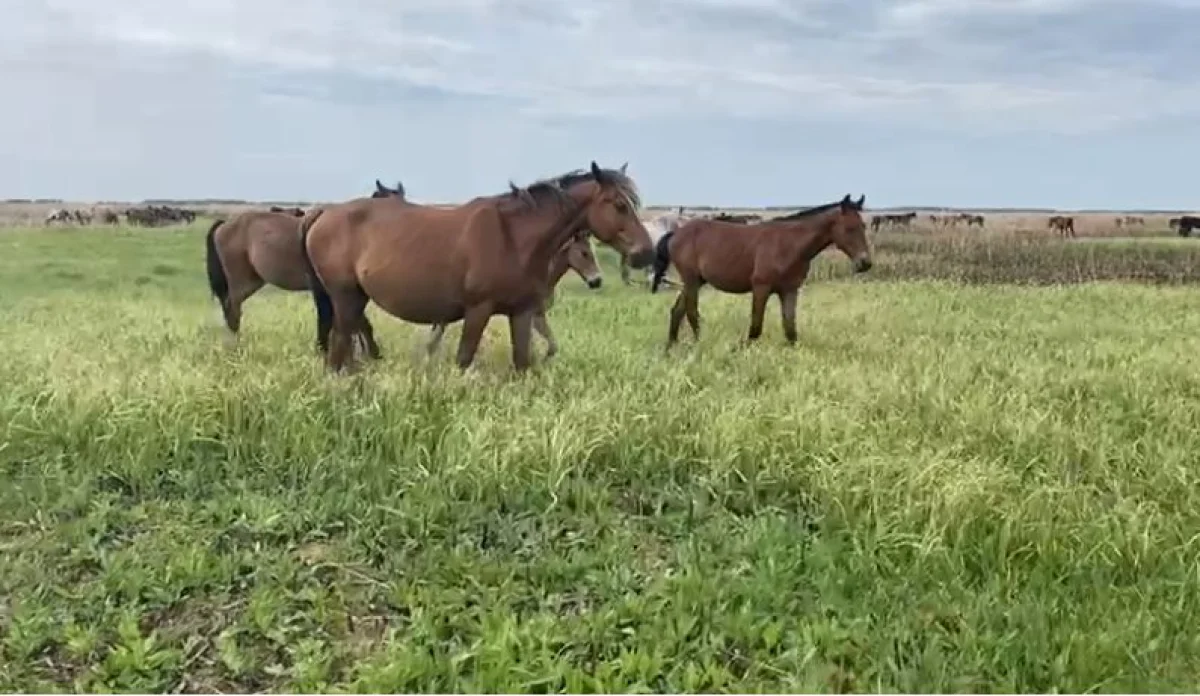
(142, 216)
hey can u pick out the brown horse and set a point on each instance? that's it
(258, 248)
(1063, 224)
(431, 265)
(768, 258)
(576, 256)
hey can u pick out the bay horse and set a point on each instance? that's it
(768, 258)
(258, 248)
(1063, 224)
(430, 265)
(576, 256)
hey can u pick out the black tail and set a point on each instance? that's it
(662, 259)
(320, 295)
(217, 281)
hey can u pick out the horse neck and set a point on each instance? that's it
(809, 236)
(559, 265)
(550, 226)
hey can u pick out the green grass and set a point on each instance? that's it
(944, 487)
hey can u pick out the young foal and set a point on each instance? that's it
(258, 248)
(576, 256)
(768, 258)
(432, 265)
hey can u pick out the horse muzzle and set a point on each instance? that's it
(863, 264)
(595, 283)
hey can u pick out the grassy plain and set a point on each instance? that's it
(962, 479)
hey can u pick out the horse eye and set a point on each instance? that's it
(622, 208)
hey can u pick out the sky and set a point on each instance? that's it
(1064, 104)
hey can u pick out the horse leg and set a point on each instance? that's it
(787, 312)
(475, 321)
(435, 339)
(543, 327)
(758, 305)
(368, 335)
(677, 312)
(348, 310)
(239, 292)
(520, 327)
(692, 306)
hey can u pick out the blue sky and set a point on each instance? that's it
(1047, 103)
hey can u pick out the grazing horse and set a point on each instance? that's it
(430, 265)
(1186, 224)
(258, 248)
(576, 256)
(769, 258)
(1064, 224)
(897, 220)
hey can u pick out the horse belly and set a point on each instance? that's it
(280, 265)
(727, 276)
(415, 298)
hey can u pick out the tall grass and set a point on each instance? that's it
(945, 486)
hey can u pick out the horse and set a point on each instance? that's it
(771, 257)
(576, 256)
(429, 265)
(257, 248)
(898, 220)
(1186, 224)
(1064, 224)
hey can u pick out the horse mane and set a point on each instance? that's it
(555, 187)
(807, 212)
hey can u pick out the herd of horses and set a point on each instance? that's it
(143, 216)
(503, 254)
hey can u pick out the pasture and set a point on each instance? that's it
(975, 472)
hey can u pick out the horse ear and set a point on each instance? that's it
(846, 203)
(597, 173)
(624, 167)
(859, 203)
(380, 187)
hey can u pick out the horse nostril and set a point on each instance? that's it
(595, 283)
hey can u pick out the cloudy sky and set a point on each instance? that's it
(1056, 103)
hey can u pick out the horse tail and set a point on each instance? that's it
(662, 259)
(217, 280)
(321, 300)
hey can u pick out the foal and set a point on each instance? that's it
(768, 258)
(576, 256)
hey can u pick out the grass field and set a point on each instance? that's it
(962, 479)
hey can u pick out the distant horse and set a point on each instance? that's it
(1186, 224)
(430, 265)
(254, 249)
(769, 258)
(578, 256)
(58, 215)
(1064, 224)
(110, 217)
(896, 220)
(1173, 223)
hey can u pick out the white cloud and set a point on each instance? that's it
(659, 58)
